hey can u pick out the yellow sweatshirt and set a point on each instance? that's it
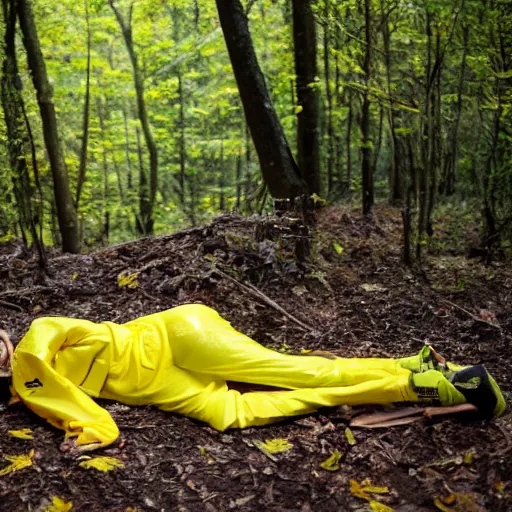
(180, 360)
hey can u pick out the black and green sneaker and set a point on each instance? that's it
(471, 384)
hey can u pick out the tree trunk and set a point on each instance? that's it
(348, 143)
(147, 194)
(66, 212)
(328, 96)
(182, 154)
(127, 151)
(450, 176)
(308, 147)
(366, 161)
(85, 123)
(395, 177)
(14, 113)
(106, 192)
(278, 167)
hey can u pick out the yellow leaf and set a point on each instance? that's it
(298, 109)
(306, 351)
(17, 462)
(102, 463)
(439, 504)
(379, 507)
(274, 445)
(209, 458)
(357, 491)
(375, 490)
(469, 456)
(338, 248)
(24, 433)
(127, 280)
(332, 462)
(75, 276)
(351, 440)
(59, 505)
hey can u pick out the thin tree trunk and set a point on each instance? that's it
(366, 161)
(127, 150)
(279, 169)
(238, 178)
(66, 212)
(395, 178)
(147, 194)
(106, 192)
(85, 123)
(449, 186)
(308, 144)
(222, 202)
(247, 185)
(328, 96)
(14, 113)
(182, 153)
(348, 143)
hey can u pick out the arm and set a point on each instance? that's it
(51, 395)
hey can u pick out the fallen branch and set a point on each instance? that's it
(474, 317)
(249, 288)
(25, 291)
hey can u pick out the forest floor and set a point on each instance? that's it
(353, 296)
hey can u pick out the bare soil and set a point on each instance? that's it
(174, 463)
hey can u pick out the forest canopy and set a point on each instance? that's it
(125, 118)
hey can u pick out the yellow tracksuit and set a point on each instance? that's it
(179, 360)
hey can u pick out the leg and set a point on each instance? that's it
(223, 408)
(203, 342)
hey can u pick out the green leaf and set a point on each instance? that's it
(332, 463)
(338, 248)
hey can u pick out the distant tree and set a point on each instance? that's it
(308, 137)
(147, 192)
(66, 213)
(280, 172)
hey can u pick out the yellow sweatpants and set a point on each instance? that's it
(207, 351)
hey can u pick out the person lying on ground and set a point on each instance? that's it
(180, 361)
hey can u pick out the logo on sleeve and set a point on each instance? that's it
(36, 383)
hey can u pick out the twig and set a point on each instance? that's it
(25, 291)
(11, 305)
(257, 293)
(136, 427)
(474, 317)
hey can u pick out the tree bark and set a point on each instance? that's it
(147, 194)
(395, 177)
(14, 114)
(278, 167)
(308, 146)
(328, 96)
(366, 161)
(85, 123)
(66, 212)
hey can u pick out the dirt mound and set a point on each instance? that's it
(338, 287)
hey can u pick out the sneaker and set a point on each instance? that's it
(427, 359)
(471, 384)
(480, 389)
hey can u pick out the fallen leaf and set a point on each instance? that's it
(469, 456)
(59, 505)
(17, 462)
(376, 506)
(209, 458)
(101, 463)
(367, 287)
(274, 445)
(332, 462)
(127, 280)
(351, 440)
(338, 248)
(24, 433)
